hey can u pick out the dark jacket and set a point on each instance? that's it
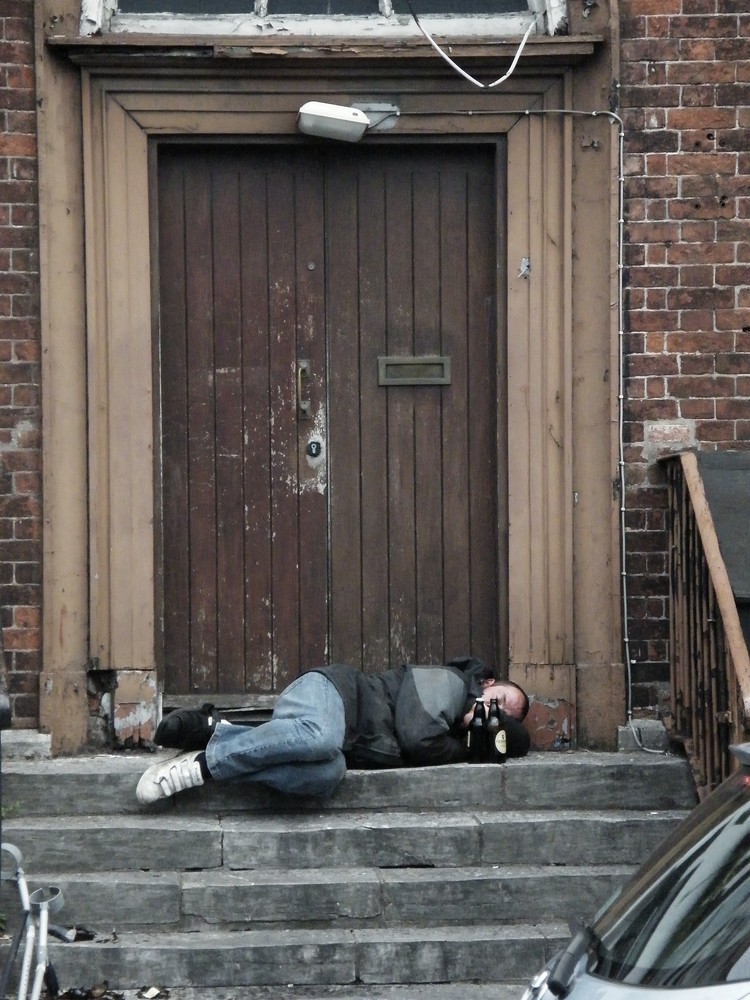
(413, 714)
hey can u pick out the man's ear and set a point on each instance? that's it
(488, 682)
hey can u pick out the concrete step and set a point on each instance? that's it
(451, 877)
(418, 991)
(438, 954)
(104, 784)
(346, 897)
(379, 839)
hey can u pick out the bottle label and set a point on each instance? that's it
(501, 742)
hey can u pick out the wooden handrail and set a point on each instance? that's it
(719, 576)
(709, 660)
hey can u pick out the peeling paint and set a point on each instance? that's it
(550, 723)
(96, 15)
(387, 25)
(317, 482)
(17, 435)
(132, 716)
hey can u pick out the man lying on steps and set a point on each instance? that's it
(334, 717)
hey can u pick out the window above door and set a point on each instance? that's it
(350, 8)
(388, 18)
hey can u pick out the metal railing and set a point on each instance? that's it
(710, 667)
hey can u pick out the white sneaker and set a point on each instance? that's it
(167, 777)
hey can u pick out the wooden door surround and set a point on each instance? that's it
(559, 426)
(123, 616)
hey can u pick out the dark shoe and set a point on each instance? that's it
(187, 728)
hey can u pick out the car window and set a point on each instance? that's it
(685, 919)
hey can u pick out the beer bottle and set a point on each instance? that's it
(493, 728)
(476, 738)
(497, 734)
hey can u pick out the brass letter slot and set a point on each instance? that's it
(429, 370)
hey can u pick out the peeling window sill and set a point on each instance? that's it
(153, 49)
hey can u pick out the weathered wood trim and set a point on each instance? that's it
(93, 103)
(565, 296)
(120, 385)
(63, 708)
(539, 388)
(157, 49)
(157, 460)
(265, 105)
(539, 353)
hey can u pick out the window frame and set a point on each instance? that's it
(103, 16)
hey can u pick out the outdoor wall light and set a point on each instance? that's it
(332, 121)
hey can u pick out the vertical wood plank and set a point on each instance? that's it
(342, 306)
(482, 416)
(312, 470)
(374, 427)
(455, 447)
(555, 404)
(500, 401)
(401, 492)
(428, 458)
(520, 489)
(74, 536)
(256, 378)
(538, 473)
(132, 550)
(282, 220)
(176, 549)
(201, 426)
(557, 379)
(122, 603)
(230, 572)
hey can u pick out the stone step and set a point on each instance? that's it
(104, 784)
(345, 839)
(451, 877)
(346, 897)
(418, 991)
(214, 959)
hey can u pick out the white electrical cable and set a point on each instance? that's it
(517, 55)
(637, 737)
(454, 65)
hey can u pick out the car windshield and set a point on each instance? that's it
(684, 921)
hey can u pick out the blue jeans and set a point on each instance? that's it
(298, 751)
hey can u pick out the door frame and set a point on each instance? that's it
(118, 226)
(124, 112)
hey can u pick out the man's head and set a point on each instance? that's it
(511, 698)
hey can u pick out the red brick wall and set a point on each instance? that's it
(20, 403)
(685, 92)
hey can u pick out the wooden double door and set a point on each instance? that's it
(331, 411)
